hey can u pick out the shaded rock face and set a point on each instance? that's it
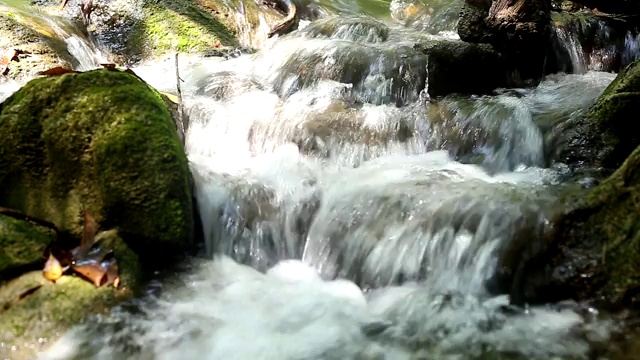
(592, 251)
(459, 67)
(606, 134)
(103, 141)
(22, 246)
(519, 29)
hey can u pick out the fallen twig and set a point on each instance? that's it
(182, 118)
(22, 216)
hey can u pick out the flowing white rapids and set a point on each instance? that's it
(346, 217)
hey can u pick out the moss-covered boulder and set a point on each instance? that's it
(608, 132)
(22, 245)
(592, 251)
(104, 141)
(35, 311)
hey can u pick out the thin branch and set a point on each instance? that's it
(22, 216)
(181, 116)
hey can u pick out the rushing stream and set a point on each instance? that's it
(349, 216)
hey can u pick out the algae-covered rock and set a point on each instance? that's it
(140, 29)
(22, 245)
(608, 132)
(104, 141)
(35, 311)
(593, 250)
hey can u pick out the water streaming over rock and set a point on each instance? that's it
(349, 217)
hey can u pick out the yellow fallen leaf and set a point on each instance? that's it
(52, 269)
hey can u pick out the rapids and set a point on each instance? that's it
(348, 216)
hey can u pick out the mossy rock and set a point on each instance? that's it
(608, 133)
(141, 29)
(103, 141)
(593, 249)
(36, 311)
(22, 245)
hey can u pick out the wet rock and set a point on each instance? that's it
(604, 136)
(136, 30)
(460, 67)
(591, 252)
(356, 28)
(432, 16)
(519, 29)
(41, 52)
(102, 141)
(36, 311)
(583, 41)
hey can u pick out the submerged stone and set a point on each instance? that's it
(102, 141)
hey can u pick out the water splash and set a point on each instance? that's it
(85, 53)
(229, 311)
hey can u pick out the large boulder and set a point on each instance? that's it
(103, 141)
(604, 137)
(592, 249)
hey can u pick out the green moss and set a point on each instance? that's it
(22, 244)
(601, 237)
(184, 27)
(34, 309)
(101, 140)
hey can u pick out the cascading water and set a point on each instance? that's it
(348, 218)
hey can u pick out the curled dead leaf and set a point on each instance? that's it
(56, 71)
(92, 260)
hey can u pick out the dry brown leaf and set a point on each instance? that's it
(208, 4)
(92, 271)
(88, 234)
(109, 66)
(58, 70)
